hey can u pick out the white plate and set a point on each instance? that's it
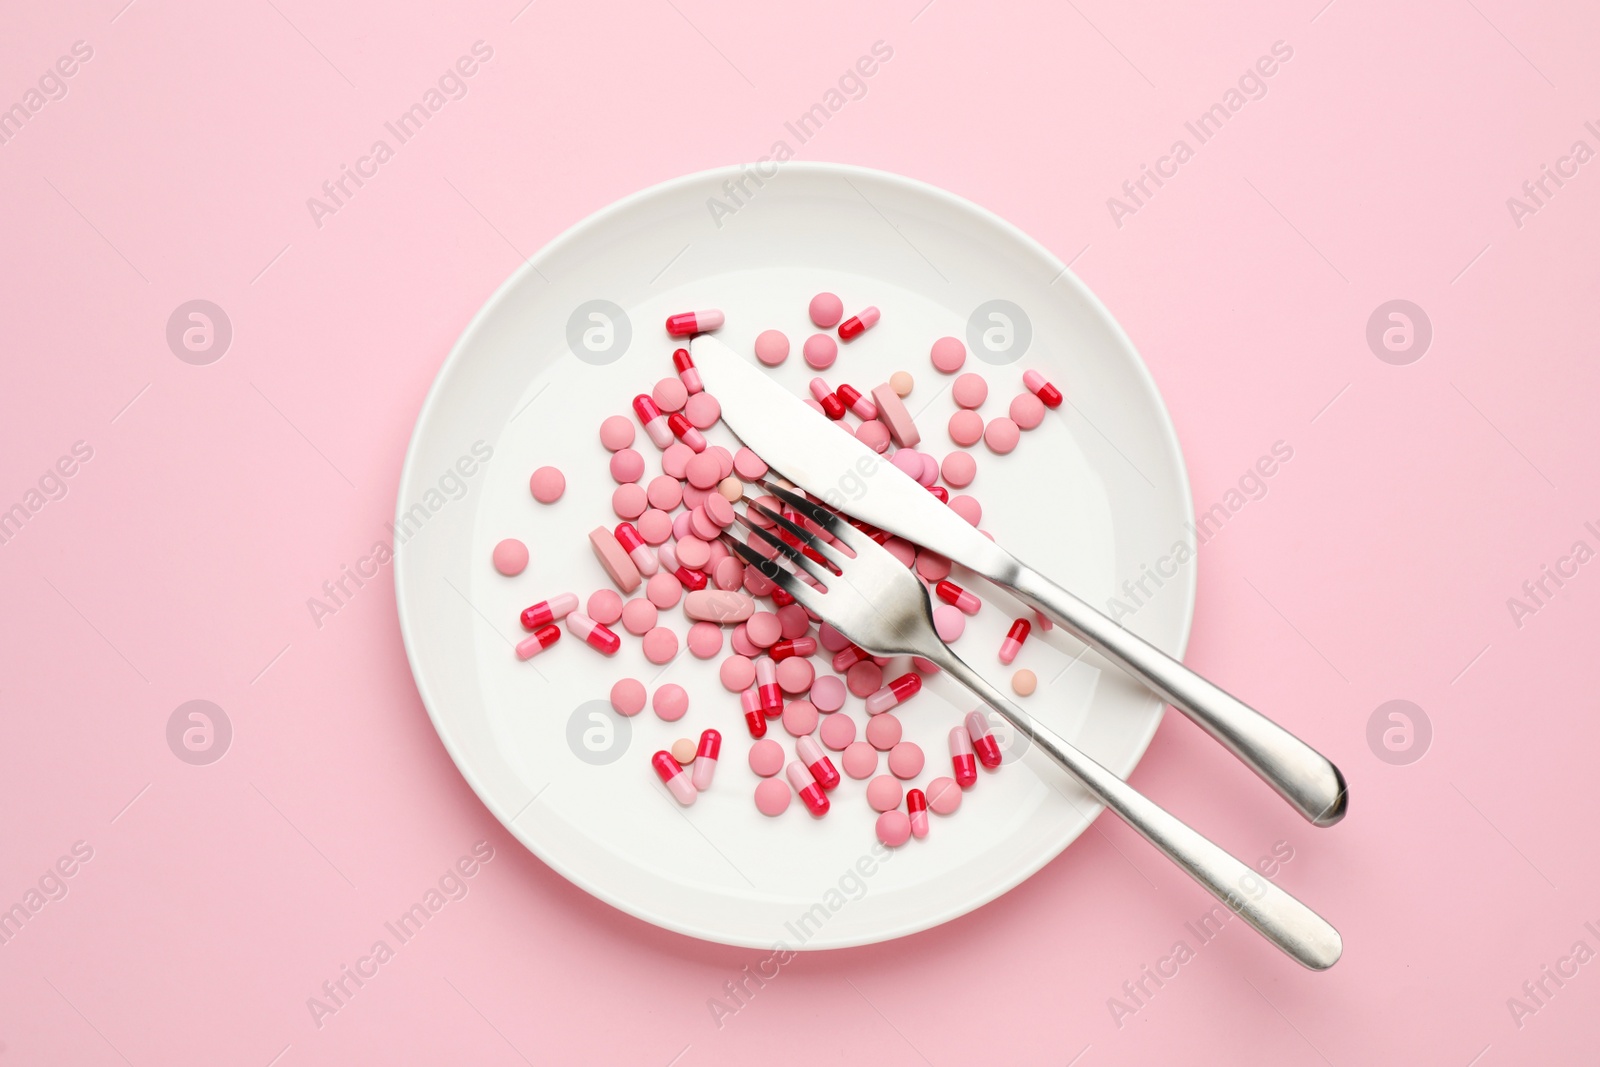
(1094, 496)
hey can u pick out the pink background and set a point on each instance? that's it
(218, 898)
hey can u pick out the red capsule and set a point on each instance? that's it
(781, 597)
(856, 325)
(951, 593)
(634, 545)
(895, 693)
(705, 759)
(754, 718)
(767, 687)
(654, 423)
(596, 635)
(852, 398)
(688, 323)
(832, 406)
(798, 646)
(684, 430)
(811, 793)
(917, 808)
(848, 657)
(672, 776)
(816, 761)
(1042, 389)
(686, 371)
(962, 760)
(538, 641)
(940, 493)
(983, 742)
(1014, 638)
(548, 610)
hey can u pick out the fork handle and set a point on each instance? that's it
(1301, 775)
(1280, 918)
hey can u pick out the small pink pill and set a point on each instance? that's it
(670, 702)
(827, 693)
(795, 675)
(638, 616)
(860, 760)
(864, 679)
(949, 622)
(628, 696)
(704, 640)
(893, 414)
(948, 354)
(884, 794)
(874, 434)
(703, 410)
(902, 383)
(826, 310)
(930, 469)
(663, 590)
(728, 573)
(1027, 410)
(1001, 435)
(764, 629)
(832, 639)
(626, 465)
(908, 460)
(660, 645)
(629, 501)
(970, 390)
(893, 828)
(794, 622)
(772, 347)
(719, 511)
(740, 642)
(968, 508)
(748, 465)
(510, 557)
(766, 757)
(737, 674)
(773, 794)
(884, 732)
(616, 432)
(944, 796)
(675, 460)
(799, 717)
(693, 552)
(932, 567)
(837, 732)
(958, 469)
(670, 394)
(547, 485)
(604, 606)
(655, 526)
(905, 760)
(966, 428)
(703, 471)
(820, 351)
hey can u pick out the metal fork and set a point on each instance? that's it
(877, 602)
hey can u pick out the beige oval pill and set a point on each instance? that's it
(731, 489)
(722, 606)
(683, 751)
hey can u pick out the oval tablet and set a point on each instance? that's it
(721, 606)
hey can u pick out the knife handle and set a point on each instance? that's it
(1300, 774)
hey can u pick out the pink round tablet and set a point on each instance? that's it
(719, 511)
(605, 606)
(1027, 410)
(970, 390)
(949, 622)
(705, 640)
(671, 701)
(772, 347)
(510, 557)
(884, 732)
(547, 485)
(968, 508)
(670, 394)
(702, 411)
(675, 459)
(908, 460)
(703, 471)
(639, 616)
(902, 550)
(766, 757)
(655, 526)
(728, 574)
(864, 679)
(799, 716)
(663, 590)
(627, 465)
(959, 468)
(820, 350)
(693, 552)
(1001, 435)
(837, 732)
(944, 796)
(826, 310)
(948, 354)
(794, 621)
(772, 795)
(740, 642)
(873, 434)
(660, 645)
(893, 828)
(748, 465)
(664, 493)
(966, 428)
(616, 432)
(884, 793)
(832, 639)
(629, 501)
(763, 629)
(932, 567)
(627, 696)
(905, 759)
(860, 760)
(827, 693)
(737, 674)
(795, 674)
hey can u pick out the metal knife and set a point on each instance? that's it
(814, 453)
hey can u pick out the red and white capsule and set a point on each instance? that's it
(674, 777)
(684, 362)
(963, 763)
(684, 431)
(895, 693)
(856, 325)
(861, 406)
(983, 742)
(917, 808)
(689, 323)
(596, 635)
(654, 423)
(705, 759)
(832, 406)
(1014, 638)
(848, 657)
(767, 687)
(1042, 389)
(816, 801)
(691, 580)
(538, 641)
(545, 611)
(754, 717)
(951, 593)
(816, 761)
(796, 646)
(781, 597)
(633, 544)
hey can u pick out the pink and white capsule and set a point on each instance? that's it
(1042, 389)
(686, 371)
(674, 777)
(856, 325)
(693, 581)
(767, 686)
(538, 641)
(816, 761)
(863, 408)
(655, 423)
(705, 759)
(917, 808)
(832, 406)
(848, 657)
(550, 610)
(816, 801)
(951, 593)
(792, 646)
(596, 635)
(895, 693)
(754, 717)
(963, 762)
(684, 430)
(634, 545)
(1013, 642)
(689, 323)
(983, 742)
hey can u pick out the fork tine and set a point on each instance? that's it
(793, 554)
(806, 595)
(821, 514)
(824, 552)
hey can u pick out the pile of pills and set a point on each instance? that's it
(668, 560)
